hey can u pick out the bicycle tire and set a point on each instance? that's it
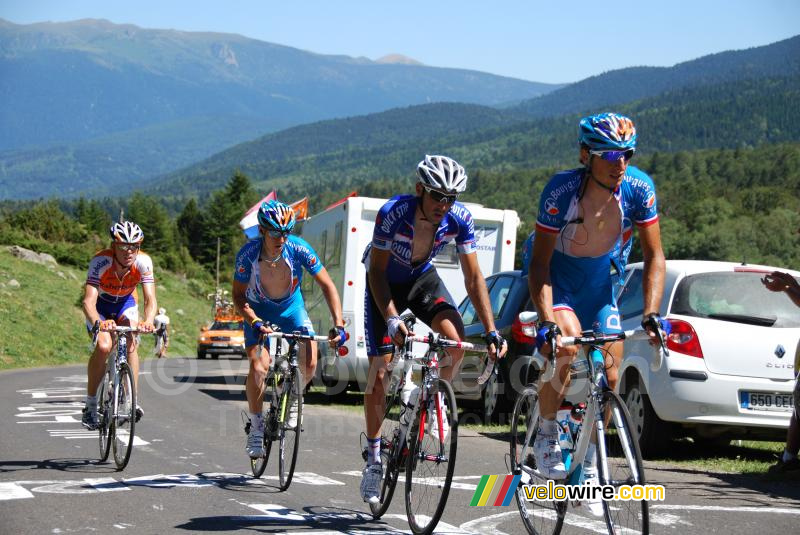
(258, 465)
(625, 467)
(124, 417)
(426, 457)
(104, 419)
(538, 517)
(289, 437)
(391, 453)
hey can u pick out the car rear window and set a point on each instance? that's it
(738, 297)
(227, 326)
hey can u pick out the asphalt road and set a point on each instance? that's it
(189, 472)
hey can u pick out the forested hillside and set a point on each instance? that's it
(737, 114)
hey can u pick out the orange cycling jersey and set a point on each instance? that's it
(113, 288)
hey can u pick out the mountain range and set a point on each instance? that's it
(98, 109)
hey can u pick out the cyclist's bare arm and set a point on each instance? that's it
(379, 286)
(240, 302)
(331, 295)
(150, 307)
(90, 294)
(539, 275)
(654, 267)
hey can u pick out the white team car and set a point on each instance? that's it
(730, 370)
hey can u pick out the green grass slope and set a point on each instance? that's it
(41, 322)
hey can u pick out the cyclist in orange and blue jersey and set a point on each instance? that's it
(110, 299)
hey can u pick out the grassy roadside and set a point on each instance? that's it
(41, 322)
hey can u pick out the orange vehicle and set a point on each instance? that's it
(225, 335)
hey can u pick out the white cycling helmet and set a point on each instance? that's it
(442, 174)
(126, 232)
(162, 311)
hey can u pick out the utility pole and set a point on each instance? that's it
(218, 246)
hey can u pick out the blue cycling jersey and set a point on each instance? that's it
(394, 232)
(296, 252)
(583, 284)
(558, 208)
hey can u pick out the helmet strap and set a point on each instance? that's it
(590, 175)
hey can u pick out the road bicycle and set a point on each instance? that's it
(603, 415)
(285, 385)
(116, 397)
(422, 443)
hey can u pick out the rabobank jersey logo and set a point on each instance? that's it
(650, 200)
(550, 206)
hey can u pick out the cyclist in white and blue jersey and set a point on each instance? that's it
(266, 291)
(583, 236)
(409, 231)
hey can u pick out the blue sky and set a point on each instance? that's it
(534, 40)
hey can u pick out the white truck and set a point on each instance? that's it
(341, 233)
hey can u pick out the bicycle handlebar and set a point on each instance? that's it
(296, 336)
(438, 341)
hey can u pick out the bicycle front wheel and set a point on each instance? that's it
(104, 404)
(290, 430)
(622, 466)
(124, 417)
(539, 517)
(391, 453)
(433, 440)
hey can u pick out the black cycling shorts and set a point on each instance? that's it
(425, 297)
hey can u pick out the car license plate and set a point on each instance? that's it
(767, 401)
(220, 345)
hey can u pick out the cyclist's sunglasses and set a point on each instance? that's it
(613, 155)
(440, 197)
(128, 247)
(277, 234)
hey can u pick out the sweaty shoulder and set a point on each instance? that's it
(555, 199)
(98, 264)
(307, 256)
(245, 258)
(640, 196)
(144, 264)
(389, 217)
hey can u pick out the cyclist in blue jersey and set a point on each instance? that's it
(583, 236)
(266, 291)
(409, 231)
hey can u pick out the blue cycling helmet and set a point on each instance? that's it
(607, 131)
(275, 215)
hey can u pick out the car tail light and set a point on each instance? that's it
(683, 339)
(523, 333)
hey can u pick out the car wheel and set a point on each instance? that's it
(200, 355)
(491, 399)
(648, 426)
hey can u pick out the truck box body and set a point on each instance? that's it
(341, 233)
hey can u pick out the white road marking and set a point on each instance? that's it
(105, 484)
(401, 479)
(9, 490)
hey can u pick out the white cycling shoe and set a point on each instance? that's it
(547, 451)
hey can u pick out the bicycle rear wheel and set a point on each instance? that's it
(391, 459)
(431, 459)
(289, 436)
(539, 517)
(623, 466)
(104, 417)
(124, 417)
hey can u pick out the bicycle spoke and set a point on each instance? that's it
(289, 436)
(622, 466)
(539, 517)
(124, 417)
(431, 460)
(391, 456)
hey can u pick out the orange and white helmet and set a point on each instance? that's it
(126, 232)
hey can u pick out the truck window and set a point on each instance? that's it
(336, 253)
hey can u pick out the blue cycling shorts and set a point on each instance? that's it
(290, 315)
(586, 287)
(125, 308)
